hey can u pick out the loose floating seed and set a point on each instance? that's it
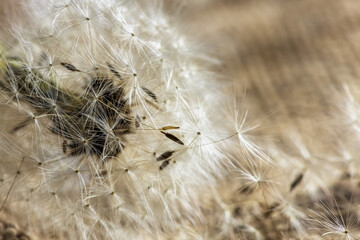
(165, 155)
(173, 138)
(164, 164)
(296, 182)
(150, 93)
(69, 67)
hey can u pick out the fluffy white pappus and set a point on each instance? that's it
(113, 124)
(346, 123)
(350, 107)
(333, 222)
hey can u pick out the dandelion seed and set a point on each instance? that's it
(116, 73)
(150, 93)
(69, 67)
(172, 138)
(164, 164)
(21, 125)
(64, 146)
(169, 128)
(165, 155)
(296, 181)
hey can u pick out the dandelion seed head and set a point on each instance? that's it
(117, 119)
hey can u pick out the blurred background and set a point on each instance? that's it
(292, 58)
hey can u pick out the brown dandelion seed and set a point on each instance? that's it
(164, 164)
(150, 93)
(165, 155)
(69, 67)
(296, 182)
(172, 138)
(169, 128)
